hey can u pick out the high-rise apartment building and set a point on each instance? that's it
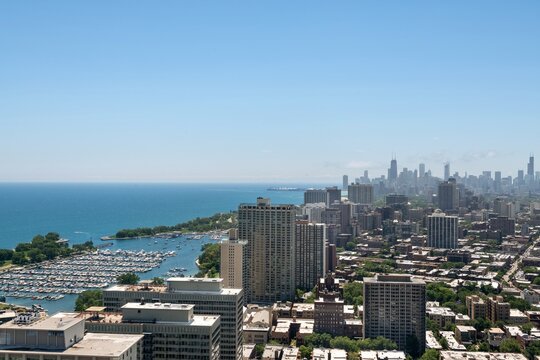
(345, 182)
(233, 263)
(442, 231)
(333, 195)
(171, 331)
(422, 170)
(448, 195)
(530, 167)
(395, 308)
(310, 250)
(208, 295)
(271, 262)
(361, 194)
(313, 196)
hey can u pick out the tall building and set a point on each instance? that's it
(345, 182)
(448, 195)
(311, 259)
(442, 231)
(530, 167)
(361, 194)
(333, 194)
(422, 170)
(62, 336)
(446, 171)
(392, 172)
(171, 331)
(208, 295)
(270, 232)
(395, 308)
(233, 263)
(314, 196)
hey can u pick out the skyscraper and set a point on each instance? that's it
(395, 308)
(446, 171)
(421, 170)
(392, 172)
(448, 195)
(271, 262)
(442, 231)
(345, 182)
(311, 259)
(361, 194)
(530, 167)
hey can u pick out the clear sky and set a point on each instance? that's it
(267, 91)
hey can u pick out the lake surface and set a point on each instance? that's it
(81, 212)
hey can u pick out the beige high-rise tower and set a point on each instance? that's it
(270, 257)
(233, 263)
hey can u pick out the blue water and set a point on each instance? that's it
(81, 212)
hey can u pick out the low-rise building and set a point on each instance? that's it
(453, 344)
(62, 336)
(325, 354)
(257, 324)
(495, 336)
(431, 341)
(382, 355)
(468, 355)
(517, 317)
(465, 334)
(440, 315)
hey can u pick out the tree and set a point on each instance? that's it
(412, 346)
(89, 298)
(350, 246)
(345, 343)
(483, 346)
(430, 354)
(352, 293)
(444, 343)
(510, 345)
(158, 281)
(19, 259)
(533, 349)
(259, 350)
(128, 279)
(6, 254)
(305, 352)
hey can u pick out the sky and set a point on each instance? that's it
(265, 91)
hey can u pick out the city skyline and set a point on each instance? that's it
(280, 92)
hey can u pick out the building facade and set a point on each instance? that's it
(395, 308)
(208, 295)
(442, 231)
(232, 263)
(310, 247)
(271, 257)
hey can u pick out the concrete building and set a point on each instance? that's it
(361, 194)
(442, 231)
(395, 308)
(171, 331)
(271, 254)
(448, 196)
(498, 309)
(313, 196)
(257, 324)
(233, 263)
(345, 182)
(329, 314)
(208, 295)
(310, 247)
(62, 336)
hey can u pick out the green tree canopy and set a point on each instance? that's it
(128, 279)
(89, 298)
(510, 345)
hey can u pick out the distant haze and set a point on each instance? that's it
(280, 91)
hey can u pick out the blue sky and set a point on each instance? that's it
(261, 91)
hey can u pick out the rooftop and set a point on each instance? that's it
(467, 355)
(103, 344)
(159, 306)
(57, 322)
(393, 278)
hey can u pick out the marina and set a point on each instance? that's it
(73, 275)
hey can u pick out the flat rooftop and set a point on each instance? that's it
(103, 345)
(58, 322)
(467, 355)
(393, 278)
(158, 306)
